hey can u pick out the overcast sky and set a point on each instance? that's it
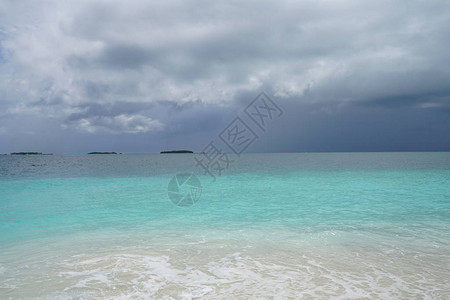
(144, 76)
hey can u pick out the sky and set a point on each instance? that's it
(144, 76)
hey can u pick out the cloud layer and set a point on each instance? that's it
(176, 70)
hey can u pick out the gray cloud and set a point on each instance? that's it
(180, 69)
(122, 123)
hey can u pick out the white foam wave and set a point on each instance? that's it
(132, 276)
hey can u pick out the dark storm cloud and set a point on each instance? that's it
(429, 99)
(114, 57)
(124, 56)
(180, 70)
(95, 90)
(315, 127)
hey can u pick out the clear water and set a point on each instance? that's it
(341, 225)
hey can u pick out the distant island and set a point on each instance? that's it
(26, 153)
(176, 151)
(102, 153)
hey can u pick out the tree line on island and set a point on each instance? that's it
(176, 151)
(30, 153)
(97, 152)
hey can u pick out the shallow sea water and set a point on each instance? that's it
(273, 226)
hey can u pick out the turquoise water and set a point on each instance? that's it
(325, 225)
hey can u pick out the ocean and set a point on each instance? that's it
(271, 226)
